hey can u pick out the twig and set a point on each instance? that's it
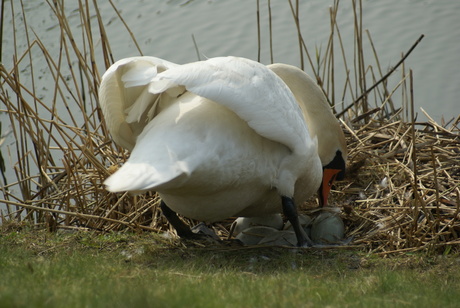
(383, 78)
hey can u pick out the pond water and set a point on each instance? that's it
(165, 28)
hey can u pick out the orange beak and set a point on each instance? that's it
(329, 176)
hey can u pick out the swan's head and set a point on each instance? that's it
(332, 150)
(321, 123)
(333, 171)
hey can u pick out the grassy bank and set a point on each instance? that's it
(86, 269)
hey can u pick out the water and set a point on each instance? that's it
(165, 28)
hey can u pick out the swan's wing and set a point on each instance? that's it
(149, 166)
(124, 98)
(248, 88)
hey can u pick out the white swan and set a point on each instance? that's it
(220, 138)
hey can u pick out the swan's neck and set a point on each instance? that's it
(317, 113)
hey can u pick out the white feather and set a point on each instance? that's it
(249, 89)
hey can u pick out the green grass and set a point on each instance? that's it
(120, 270)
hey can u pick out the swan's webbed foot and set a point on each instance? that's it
(198, 232)
(290, 211)
(201, 230)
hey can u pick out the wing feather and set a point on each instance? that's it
(124, 97)
(249, 89)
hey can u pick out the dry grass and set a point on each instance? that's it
(401, 193)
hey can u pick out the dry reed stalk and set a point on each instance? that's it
(384, 77)
(2, 15)
(259, 47)
(196, 48)
(270, 31)
(303, 46)
(81, 143)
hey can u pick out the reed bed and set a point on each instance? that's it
(402, 189)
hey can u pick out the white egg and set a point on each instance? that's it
(280, 238)
(243, 223)
(327, 228)
(253, 235)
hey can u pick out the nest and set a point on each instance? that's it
(401, 192)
